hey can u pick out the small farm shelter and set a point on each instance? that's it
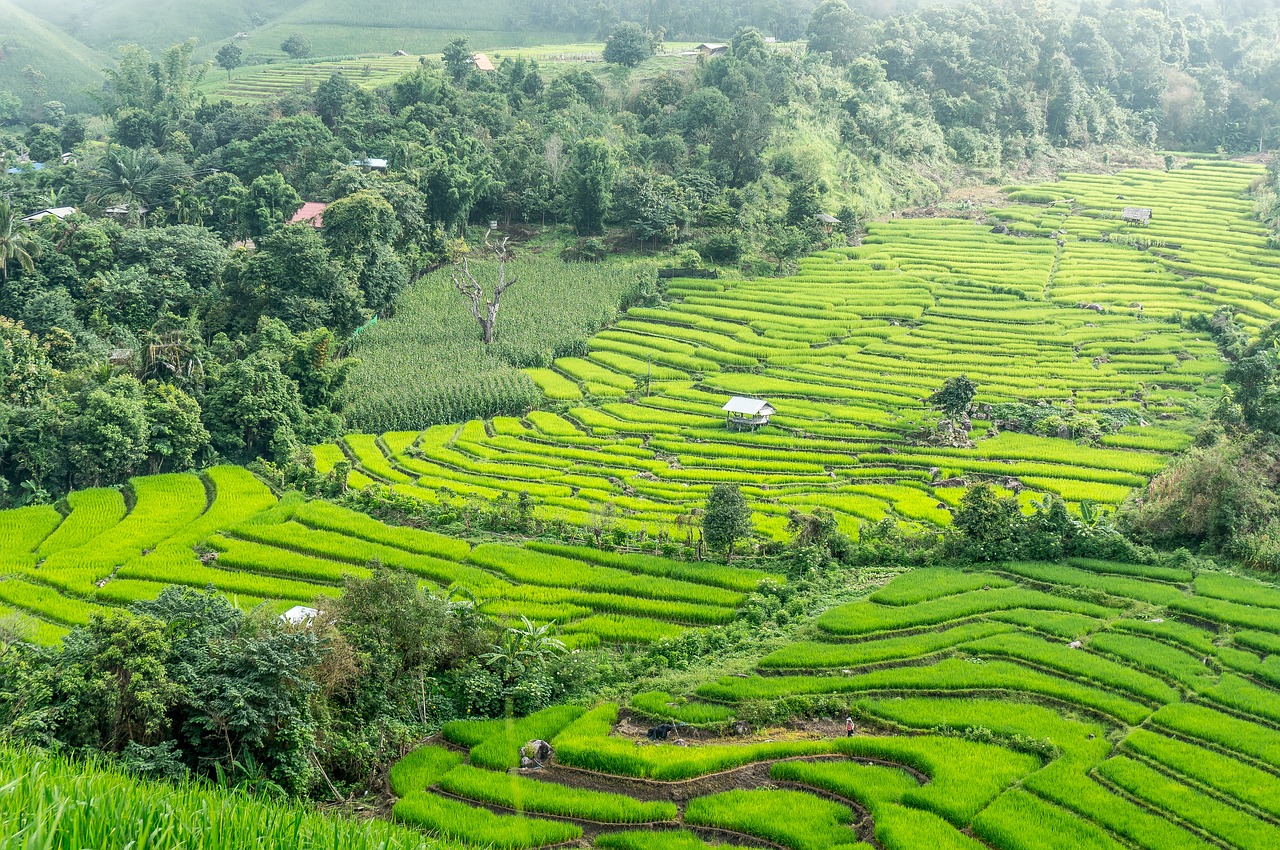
(298, 615)
(741, 413)
(828, 222)
(312, 212)
(56, 212)
(370, 163)
(710, 50)
(1136, 215)
(481, 62)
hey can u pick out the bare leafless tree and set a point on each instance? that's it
(464, 281)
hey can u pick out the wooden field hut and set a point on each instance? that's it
(481, 62)
(1136, 215)
(712, 50)
(742, 414)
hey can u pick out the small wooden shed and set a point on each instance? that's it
(747, 413)
(1136, 215)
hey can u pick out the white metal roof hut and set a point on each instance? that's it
(299, 615)
(55, 212)
(742, 413)
(1136, 215)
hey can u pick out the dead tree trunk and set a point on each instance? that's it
(465, 282)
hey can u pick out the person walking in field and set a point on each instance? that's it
(848, 727)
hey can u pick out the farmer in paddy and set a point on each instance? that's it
(848, 727)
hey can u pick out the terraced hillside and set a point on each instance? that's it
(225, 529)
(1073, 314)
(265, 82)
(1090, 705)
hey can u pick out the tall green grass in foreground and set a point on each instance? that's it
(54, 803)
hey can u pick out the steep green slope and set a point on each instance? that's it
(106, 24)
(70, 68)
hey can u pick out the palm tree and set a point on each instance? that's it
(127, 176)
(15, 241)
(190, 208)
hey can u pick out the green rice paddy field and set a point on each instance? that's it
(225, 529)
(1072, 308)
(1087, 705)
(262, 83)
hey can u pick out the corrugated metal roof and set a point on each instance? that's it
(312, 211)
(58, 212)
(298, 614)
(747, 406)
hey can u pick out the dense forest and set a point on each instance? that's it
(178, 317)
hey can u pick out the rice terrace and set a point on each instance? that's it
(806, 425)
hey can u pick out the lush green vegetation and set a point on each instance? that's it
(60, 803)
(540, 527)
(1021, 725)
(850, 378)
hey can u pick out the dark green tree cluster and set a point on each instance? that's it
(1223, 495)
(76, 413)
(190, 684)
(990, 527)
(1000, 79)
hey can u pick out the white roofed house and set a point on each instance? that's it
(55, 212)
(742, 413)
